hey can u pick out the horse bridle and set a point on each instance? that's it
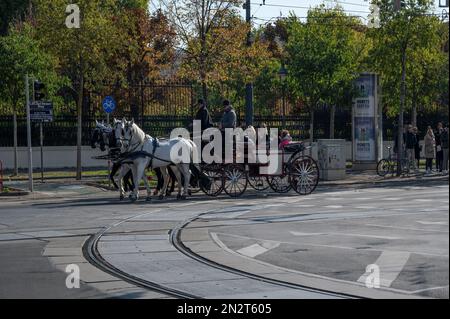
(134, 146)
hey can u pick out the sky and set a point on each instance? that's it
(273, 8)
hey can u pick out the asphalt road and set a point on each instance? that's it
(325, 240)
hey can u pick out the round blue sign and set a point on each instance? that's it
(109, 105)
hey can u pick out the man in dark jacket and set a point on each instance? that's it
(439, 152)
(444, 145)
(410, 147)
(203, 115)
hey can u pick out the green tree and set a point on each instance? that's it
(85, 53)
(404, 31)
(20, 54)
(324, 57)
(11, 10)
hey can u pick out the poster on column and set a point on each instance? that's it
(364, 116)
(365, 138)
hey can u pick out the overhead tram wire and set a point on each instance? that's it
(349, 3)
(301, 7)
(266, 21)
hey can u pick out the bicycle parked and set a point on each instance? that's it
(389, 165)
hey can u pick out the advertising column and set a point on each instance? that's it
(366, 126)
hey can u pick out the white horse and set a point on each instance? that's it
(146, 151)
(103, 137)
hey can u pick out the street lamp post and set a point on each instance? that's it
(283, 74)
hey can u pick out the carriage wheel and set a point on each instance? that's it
(303, 174)
(279, 184)
(215, 174)
(235, 180)
(259, 183)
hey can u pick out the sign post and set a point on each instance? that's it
(109, 105)
(41, 112)
(366, 120)
(30, 152)
(42, 151)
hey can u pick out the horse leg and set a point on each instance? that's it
(186, 175)
(137, 175)
(165, 175)
(176, 172)
(128, 179)
(121, 174)
(160, 182)
(147, 186)
(114, 170)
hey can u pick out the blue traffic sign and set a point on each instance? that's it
(109, 105)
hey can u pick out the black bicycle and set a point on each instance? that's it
(389, 165)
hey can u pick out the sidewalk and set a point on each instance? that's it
(371, 177)
(66, 187)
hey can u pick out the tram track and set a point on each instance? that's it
(93, 255)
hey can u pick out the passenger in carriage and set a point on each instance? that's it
(285, 139)
(229, 116)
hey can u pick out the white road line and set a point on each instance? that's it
(334, 206)
(423, 200)
(256, 249)
(391, 264)
(342, 234)
(431, 223)
(365, 207)
(392, 198)
(296, 233)
(407, 228)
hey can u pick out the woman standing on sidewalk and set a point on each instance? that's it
(429, 150)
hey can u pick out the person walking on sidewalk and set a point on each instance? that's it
(417, 147)
(429, 150)
(444, 145)
(410, 148)
(439, 152)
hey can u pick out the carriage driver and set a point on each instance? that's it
(203, 115)
(229, 116)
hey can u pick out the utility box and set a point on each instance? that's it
(332, 159)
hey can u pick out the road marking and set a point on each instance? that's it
(296, 233)
(342, 234)
(365, 207)
(334, 206)
(423, 200)
(256, 249)
(216, 239)
(407, 228)
(391, 263)
(392, 198)
(431, 223)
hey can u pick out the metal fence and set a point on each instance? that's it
(160, 107)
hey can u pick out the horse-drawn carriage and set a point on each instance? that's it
(281, 169)
(285, 169)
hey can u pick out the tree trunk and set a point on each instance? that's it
(400, 116)
(332, 117)
(205, 91)
(16, 166)
(414, 107)
(79, 125)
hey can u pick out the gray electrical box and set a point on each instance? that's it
(332, 159)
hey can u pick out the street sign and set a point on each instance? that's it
(109, 105)
(41, 111)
